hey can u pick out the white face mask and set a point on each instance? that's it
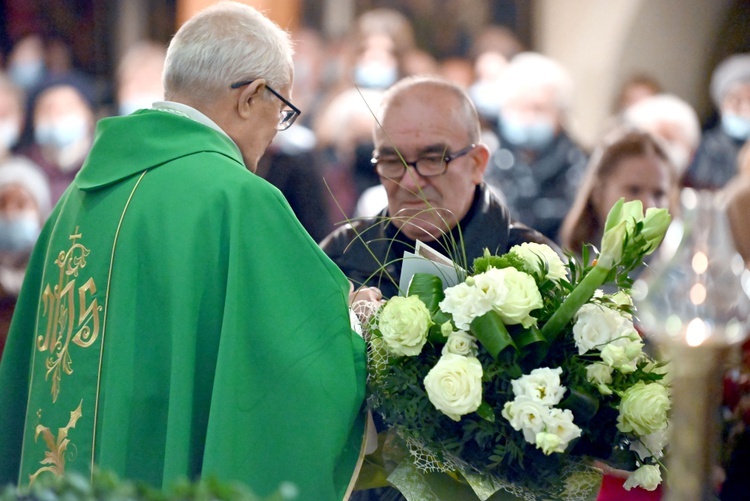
(65, 140)
(9, 133)
(138, 102)
(61, 132)
(375, 75)
(19, 232)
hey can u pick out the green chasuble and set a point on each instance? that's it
(177, 321)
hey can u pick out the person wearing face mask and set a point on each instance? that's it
(24, 203)
(538, 166)
(382, 39)
(63, 128)
(26, 66)
(715, 162)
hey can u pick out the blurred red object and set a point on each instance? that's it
(612, 490)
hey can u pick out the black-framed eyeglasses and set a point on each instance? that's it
(286, 117)
(428, 165)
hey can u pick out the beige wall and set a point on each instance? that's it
(602, 42)
(284, 12)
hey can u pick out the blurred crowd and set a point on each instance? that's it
(652, 146)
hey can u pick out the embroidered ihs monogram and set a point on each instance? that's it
(71, 313)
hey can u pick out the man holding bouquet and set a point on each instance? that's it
(177, 321)
(431, 162)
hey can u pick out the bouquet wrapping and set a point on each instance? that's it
(519, 376)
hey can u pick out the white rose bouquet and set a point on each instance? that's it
(520, 375)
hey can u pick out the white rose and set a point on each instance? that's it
(542, 385)
(521, 299)
(595, 326)
(534, 255)
(647, 476)
(461, 343)
(464, 303)
(600, 375)
(560, 422)
(404, 323)
(643, 409)
(526, 414)
(454, 385)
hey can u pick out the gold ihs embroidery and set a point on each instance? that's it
(54, 456)
(60, 305)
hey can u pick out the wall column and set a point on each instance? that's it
(285, 13)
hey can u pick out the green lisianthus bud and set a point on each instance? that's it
(612, 243)
(654, 227)
(632, 212)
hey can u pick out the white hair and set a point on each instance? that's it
(530, 70)
(22, 172)
(648, 113)
(223, 44)
(732, 71)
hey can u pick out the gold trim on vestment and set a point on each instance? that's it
(369, 426)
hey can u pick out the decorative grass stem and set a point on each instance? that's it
(577, 298)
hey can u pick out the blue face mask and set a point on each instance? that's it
(736, 126)
(375, 75)
(26, 74)
(18, 234)
(536, 135)
(61, 133)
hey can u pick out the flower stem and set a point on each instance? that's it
(577, 298)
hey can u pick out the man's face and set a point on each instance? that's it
(260, 131)
(426, 122)
(737, 100)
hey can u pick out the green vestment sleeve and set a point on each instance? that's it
(218, 339)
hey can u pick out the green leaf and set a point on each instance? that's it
(528, 337)
(435, 334)
(428, 288)
(485, 412)
(490, 330)
(583, 404)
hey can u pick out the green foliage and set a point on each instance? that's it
(487, 261)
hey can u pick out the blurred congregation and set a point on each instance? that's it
(556, 145)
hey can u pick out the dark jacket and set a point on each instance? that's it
(715, 162)
(538, 187)
(359, 248)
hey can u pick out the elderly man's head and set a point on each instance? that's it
(234, 65)
(730, 91)
(673, 121)
(535, 95)
(433, 127)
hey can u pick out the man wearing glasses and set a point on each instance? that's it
(177, 320)
(431, 162)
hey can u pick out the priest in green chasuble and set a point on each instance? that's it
(176, 320)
